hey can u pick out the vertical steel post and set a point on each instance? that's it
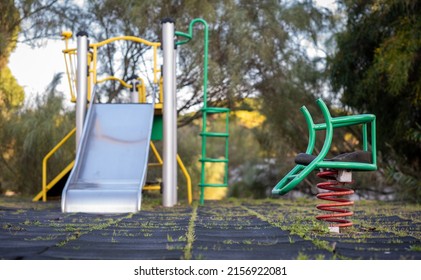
(81, 86)
(174, 125)
(169, 173)
(134, 95)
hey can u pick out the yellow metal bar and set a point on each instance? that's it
(154, 164)
(141, 89)
(67, 169)
(69, 76)
(44, 163)
(94, 60)
(93, 57)
(188, 179)
(66, 35)
(126, 38)
(112, 78)
(72, 61)
(89, 82)
(161, 90)
(154, 45)
(72, 50)
(155, 152)
(156, 69)
(152, 188)
(182, 167)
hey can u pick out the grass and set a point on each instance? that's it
(43, 238)
(85, 228)
(190, 235)
(300, 220)
(415, 248)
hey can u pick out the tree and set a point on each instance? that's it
(29, 136)
(11, 94)
(250, 42)
(377, 69)
(27, 21)
(8, 30)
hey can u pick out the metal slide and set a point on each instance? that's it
(111, 161)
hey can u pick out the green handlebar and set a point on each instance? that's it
(300, 172)
(188, 37)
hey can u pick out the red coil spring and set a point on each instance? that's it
(337, 217)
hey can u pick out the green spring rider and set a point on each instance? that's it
(337, 170)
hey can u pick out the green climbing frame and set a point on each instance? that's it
(206, 111)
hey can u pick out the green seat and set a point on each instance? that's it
(364, 160)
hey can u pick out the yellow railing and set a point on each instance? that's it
(45, 186)
(141, 88)
(182, 168)
(154, 45)
(70, 60)
(188, 179)
(157, 156)
(112, 78)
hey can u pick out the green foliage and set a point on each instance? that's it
(45, 19)
(28, 132)
(11, 98)
(11, 93)
(377, 69)
(251, 174)
(9, 28)
(409, 186)
(31, 134)
(188, 147)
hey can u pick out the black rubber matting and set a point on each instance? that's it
(218, 230)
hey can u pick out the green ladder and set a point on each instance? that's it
(205, 134)
(219, 160)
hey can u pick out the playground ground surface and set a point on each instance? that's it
(233, 229)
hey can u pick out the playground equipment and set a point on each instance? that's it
(113, 140)
(337, 170)
(207, 110)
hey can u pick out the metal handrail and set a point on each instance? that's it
(44, 166)
(182, 168)
(92, 58)
(188, 179)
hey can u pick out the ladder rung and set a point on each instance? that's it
(151, 188)
(213, 160)
(154, 164)
(215, 134)
(213, 185)
(215, 110)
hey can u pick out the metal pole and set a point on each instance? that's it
(169, 173)
(134, 96)
(174, 125)
(81, 86)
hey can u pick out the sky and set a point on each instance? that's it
(34, 68)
